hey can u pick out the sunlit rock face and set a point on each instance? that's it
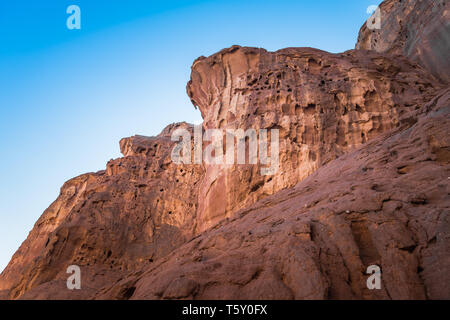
(383, 204)
(417, 29)
(361, 180)
(322, 104)
(110, 222)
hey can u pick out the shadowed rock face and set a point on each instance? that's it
(362, 179)
(110, 222)
(418, 29)
(384, 203)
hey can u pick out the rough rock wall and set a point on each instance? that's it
(123, 225)
(386, 204)
(418, 29)
(323, 105)
(110, 222)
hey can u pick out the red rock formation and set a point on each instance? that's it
(362, 179)
(110, 222)
(385, 203)
(323, 104)
(418, 29)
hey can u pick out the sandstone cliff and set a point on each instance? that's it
(323, 105)
(418, 29)
(386, 203)
(362, 179)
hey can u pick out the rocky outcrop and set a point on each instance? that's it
(110, 222)
(417, 29)
(362, 179)
(385, 204)
(322, 104)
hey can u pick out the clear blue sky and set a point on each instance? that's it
(68, 96)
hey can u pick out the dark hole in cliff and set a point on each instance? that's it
(313, 63)
(432, 240)
(345, 111)
(48, 240)
(257, 186)
(109, 254)
(403, 170)
(419, 200)
(150, 260)
(253, 82)
(410, 249)
(170, 212)
(310, 109)
(128, 292)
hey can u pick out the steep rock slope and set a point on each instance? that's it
(418, 29)
(386, 203)
(110, 222)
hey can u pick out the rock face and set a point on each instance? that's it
(322, 104)
(110, 222)
(362, 179)
(386, 204)
(418, 29)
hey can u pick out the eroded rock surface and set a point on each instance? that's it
(322, 104)
(418, 29)
(362, 179)
(110, 222)
(386, 203)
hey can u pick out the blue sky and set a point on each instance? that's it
(68, 96)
